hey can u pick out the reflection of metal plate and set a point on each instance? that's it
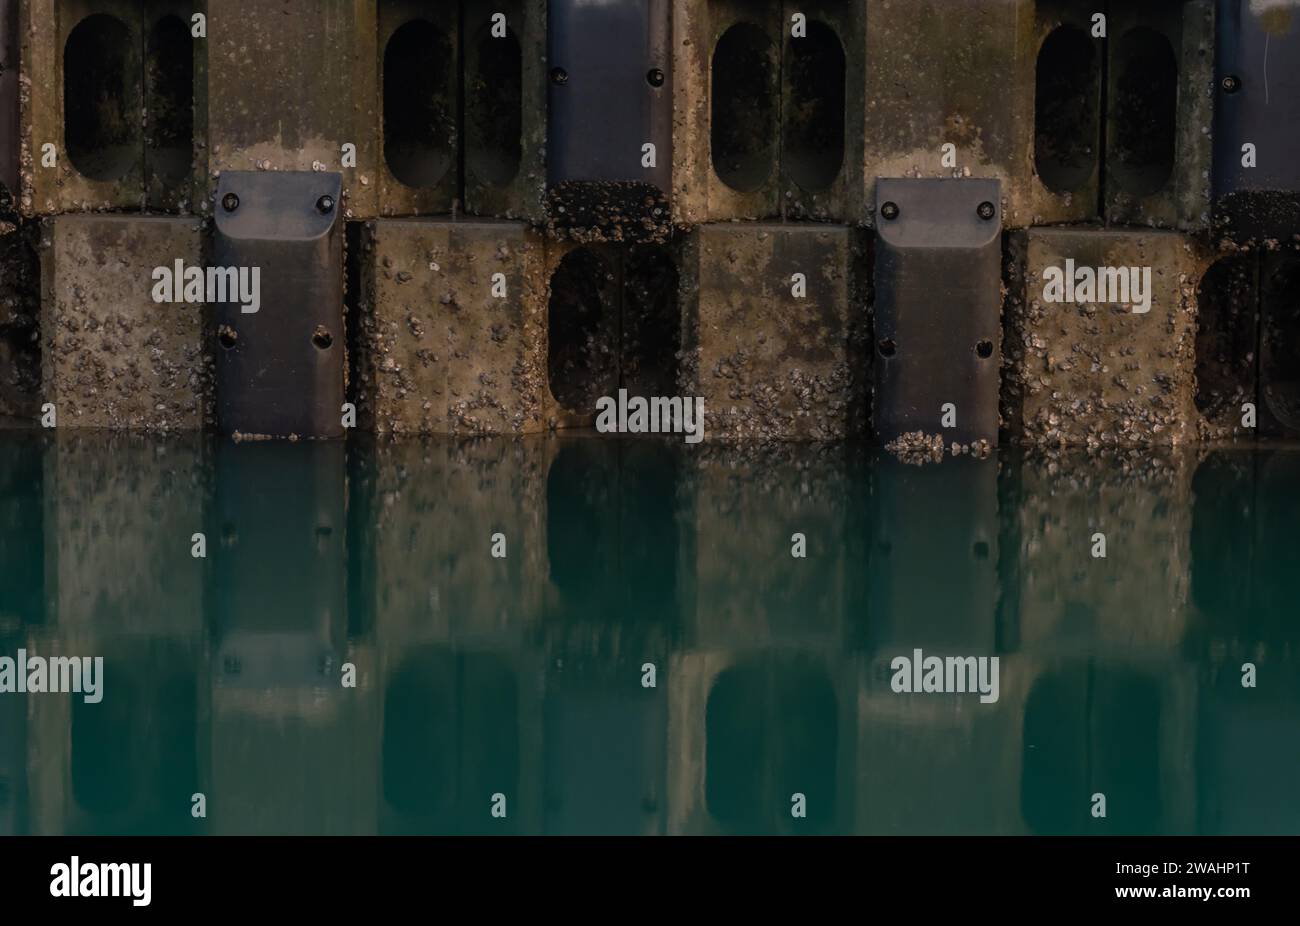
(921, 516)
(1257, 46)
(937, 308)
(608, 104)
(279, 599)
(280, 369)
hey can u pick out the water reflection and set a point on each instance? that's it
(509, 694)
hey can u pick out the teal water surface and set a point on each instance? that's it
(648, 656)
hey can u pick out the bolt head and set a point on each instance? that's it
(1230, 83)
(655, 78)
(559, 76)
(325, 205)
(889, 211)
(230, 202)
(986, 210)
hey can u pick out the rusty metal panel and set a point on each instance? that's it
(937, 309)
(280, 365)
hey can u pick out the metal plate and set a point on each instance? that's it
(1257, 101)
(9, 96)
(606, 108)
(604, 105)
(280, 369)
(937, 309)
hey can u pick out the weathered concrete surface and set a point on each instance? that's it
(111, 356)
(769, 364)
(505, 176)
(438, 352)
(767, 184)
(1096, 374)
(46, 25)
(1183, 199)
(306, 79)
(1067, 113)
(937, 76)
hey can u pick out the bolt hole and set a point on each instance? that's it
(984, 349)
(232, 665)
(322, 338)
(559, 76)
(227, 336)
(655, 77)
(887, 347)
(1231, 84)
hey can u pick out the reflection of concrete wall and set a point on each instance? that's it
(424, 562)
(459, 725)
(295, 760)
(119, 514)
(1060, 731)
(129, 763)
(773, 747)
(1138, 595)
(739, 579)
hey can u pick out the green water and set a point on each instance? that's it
(522, 676)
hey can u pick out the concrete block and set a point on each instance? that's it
(112, 357)
(768, 124)
(938, 75)
(613, 320)
(1096, 372)
(1159, 113)
(287, 87)
(768, 362)
(505, 109)
(451, 331)
(110, 85)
